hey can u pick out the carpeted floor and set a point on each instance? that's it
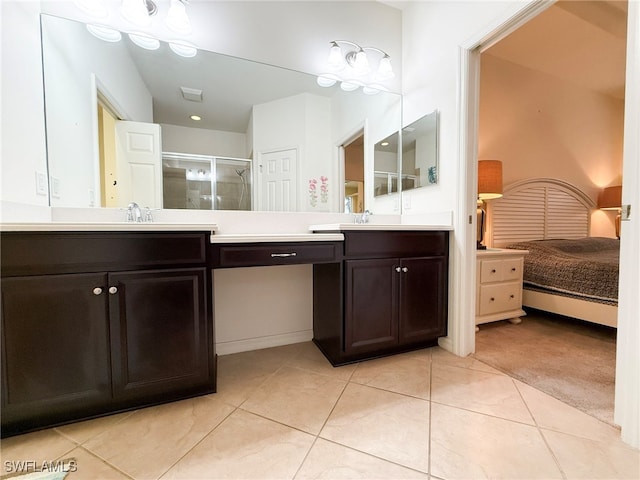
(570, 360)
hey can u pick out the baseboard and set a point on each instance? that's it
(237, 346)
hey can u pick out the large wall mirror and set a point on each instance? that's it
(122, 125)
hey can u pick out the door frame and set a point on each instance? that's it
(461, 339)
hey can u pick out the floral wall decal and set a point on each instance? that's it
(324, 189)
(313, 193)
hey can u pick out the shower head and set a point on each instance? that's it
(240, 172)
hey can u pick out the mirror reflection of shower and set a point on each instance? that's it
(206, 182)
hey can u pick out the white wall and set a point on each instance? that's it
(76, 64)
(22, 105)
(200, 141)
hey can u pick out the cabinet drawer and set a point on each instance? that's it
(389, 244)
(500, 270)
(254, 255)
(501, 297)
(40, 253)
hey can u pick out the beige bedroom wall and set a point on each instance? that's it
(541, 126)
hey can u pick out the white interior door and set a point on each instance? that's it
(278, 182)
(139, 164)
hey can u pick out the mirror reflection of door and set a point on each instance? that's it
(278, 180)
(130, 161)
(107, 151)
(354, 175)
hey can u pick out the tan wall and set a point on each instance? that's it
(540, 126)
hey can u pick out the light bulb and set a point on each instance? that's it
(177, 19)
(135, 11)
(95, 8)
(336, 62)
(145, 41)
(361, 63)
(350, 86)
(184, 49)
(326, 80)
(385, 71)
(107, 34)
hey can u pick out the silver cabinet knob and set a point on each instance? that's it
(405, 269)
(398, 269)
(97, 291)
(113, 290)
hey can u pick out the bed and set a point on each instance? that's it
(566, 271)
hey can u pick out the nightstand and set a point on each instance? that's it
(499, 285)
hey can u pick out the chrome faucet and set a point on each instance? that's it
(134, 214)
(363, 217)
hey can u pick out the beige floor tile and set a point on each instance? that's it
(298, 398)
(45, 445)
(468, 445)
(334, 462)
(385, 424)
(235, 390)
(90, 467)
(479, 391)
(257, 363)
(581, 458)
(80, 432)
(152, 439)
(407, 374)
(442, 357)
(551, 413)
(311, 358)
(245, 446)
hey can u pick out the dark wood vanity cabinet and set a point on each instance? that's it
(388, 295)
(96, 323)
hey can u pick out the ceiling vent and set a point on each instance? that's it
(191, 94)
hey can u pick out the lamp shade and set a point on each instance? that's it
(610, 198)
(489, 179)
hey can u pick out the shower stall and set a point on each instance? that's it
(206, 182)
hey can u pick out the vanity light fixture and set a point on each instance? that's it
(177, 19)
(351, 60)
(107, 34)
(351, 85)
(145, 41)
(138, 12)
(184, 49)
(95, 8)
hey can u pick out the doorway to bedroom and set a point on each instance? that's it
(552, 107)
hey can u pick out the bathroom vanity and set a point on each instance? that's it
(387, 293)
(99, 322)
(96, 322)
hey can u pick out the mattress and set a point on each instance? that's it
(585, 268)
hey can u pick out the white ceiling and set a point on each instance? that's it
(581, 42)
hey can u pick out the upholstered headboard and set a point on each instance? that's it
(537, 209)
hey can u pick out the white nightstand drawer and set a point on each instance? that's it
(512, 269)
(500, 270)
(501, 297)
(490, 271)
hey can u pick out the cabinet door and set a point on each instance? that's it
(159, 333)
(371, 305)
(423, 308)
(55, 349)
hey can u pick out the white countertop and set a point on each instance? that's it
(106, 227)
(339, 227)
(276, 237)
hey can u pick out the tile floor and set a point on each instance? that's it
(285, 413)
